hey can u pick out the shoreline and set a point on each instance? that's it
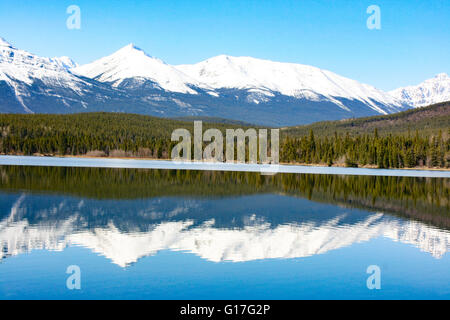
(424, 168)
(140, 163)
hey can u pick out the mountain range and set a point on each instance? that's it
(31, 222)
(429, 92)
(238, 88)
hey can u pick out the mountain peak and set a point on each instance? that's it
(222, 57)
(134, 53)
(4, 43)
(441, 76)
(431, 91)
(131, 62)
(64, 62)
(131, 46)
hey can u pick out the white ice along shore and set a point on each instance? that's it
(256, 241)
(211, 166)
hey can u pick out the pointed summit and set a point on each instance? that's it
(130, 47)
(131, 51)
(131, 62)
(4, 43)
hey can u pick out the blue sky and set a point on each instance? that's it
(412, 45)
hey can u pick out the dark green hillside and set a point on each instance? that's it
(428, 120)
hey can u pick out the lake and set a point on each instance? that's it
(188, 234)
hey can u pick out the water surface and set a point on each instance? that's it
(168, 234)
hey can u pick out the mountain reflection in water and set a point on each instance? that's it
(126, 214)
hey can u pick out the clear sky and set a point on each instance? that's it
(412, 45)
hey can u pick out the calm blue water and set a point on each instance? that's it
(267, 245)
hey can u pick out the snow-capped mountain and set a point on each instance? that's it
(21, 70)
(268, 78)
(130, 62)
(65, 62)
(31, 84)
(19, 65)
(261, 80)
(430, 91)
(258, 91)
(239, 88)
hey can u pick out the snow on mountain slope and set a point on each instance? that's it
(131, 62)
(430, 91)
(21, 65)
(259, 241)
(65, 62)
(296, 80)
(21, 69)
(260, 79)
(240, 88)
(30, 222)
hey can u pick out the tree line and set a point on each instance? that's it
(126, 135)
(390, 151)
